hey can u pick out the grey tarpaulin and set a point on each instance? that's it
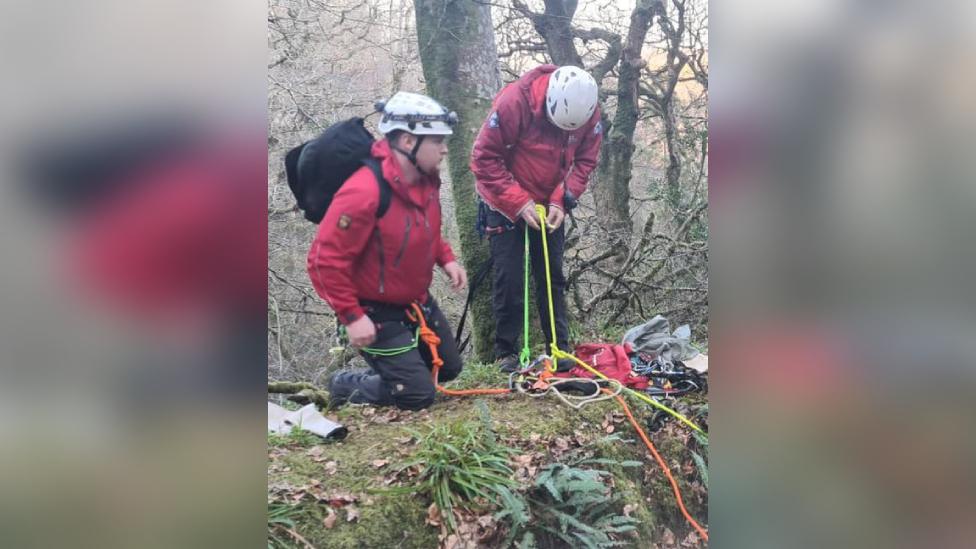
(308, 418)
(655, 337)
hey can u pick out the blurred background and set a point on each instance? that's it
(133, 284)
(842, 212)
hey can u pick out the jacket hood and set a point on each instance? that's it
(534, 84)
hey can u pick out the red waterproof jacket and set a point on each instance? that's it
(356, 256)
(521, 157)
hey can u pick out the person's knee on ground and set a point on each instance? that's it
(413, 396)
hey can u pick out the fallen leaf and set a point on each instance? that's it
(352, 513)
(691, 540)
(340, 500)
(534, 437)
(667, 537)
(629, 508)
(380, 463)
(330, 520)
(331, 467)
(433, 515)
(609, 429)
(580, 438)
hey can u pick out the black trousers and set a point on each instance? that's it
(507, 243)
(403, 380)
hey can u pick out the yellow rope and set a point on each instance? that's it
(557, 353)
(541, 212)
(642, 396)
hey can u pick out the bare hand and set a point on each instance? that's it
(459, 277)
(555, 218)
(530, 217)
(361, 332)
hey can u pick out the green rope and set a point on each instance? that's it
(526, 353)
(395, 351)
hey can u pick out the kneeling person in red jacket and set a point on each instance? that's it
(370, 270)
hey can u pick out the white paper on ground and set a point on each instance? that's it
(699, 363)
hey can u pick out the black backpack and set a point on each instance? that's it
(317, 168)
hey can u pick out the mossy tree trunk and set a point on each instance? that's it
(616, 166)
(460, 62)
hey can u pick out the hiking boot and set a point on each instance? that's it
(342, 385)
(509, 364)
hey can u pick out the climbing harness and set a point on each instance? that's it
(395, 351)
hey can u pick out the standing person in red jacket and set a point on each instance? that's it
(370, 270)
(539, 145)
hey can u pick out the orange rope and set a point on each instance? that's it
(664, 466)
(429, 337)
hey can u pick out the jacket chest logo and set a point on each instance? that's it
(344, 222)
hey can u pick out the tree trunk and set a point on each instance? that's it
(673, 173)
(673, 27)
(613, 192)
(460, 62)
(555, 26)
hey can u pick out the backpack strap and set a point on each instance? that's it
(386, 191)
(472, 289)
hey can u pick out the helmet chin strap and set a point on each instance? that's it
(412, 155)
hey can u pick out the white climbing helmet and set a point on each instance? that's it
(571, 97)
(416, 114)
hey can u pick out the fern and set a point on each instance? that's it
(528, 541)
(567, 506)
(699, 459)
(702, 468)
